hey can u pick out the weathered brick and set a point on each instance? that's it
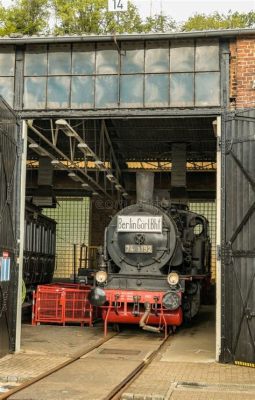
(242, 71)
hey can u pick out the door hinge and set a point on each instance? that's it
(249, 314)
(226, 253)
(219, 143)
(218, 252)
(21, 148)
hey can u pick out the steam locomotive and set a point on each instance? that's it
(39, 250)
(153, 263)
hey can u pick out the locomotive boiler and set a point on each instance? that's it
(155, 258)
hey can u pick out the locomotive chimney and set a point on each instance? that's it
(144, 187)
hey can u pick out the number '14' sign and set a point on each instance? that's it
(117, 5)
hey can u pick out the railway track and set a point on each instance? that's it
(117, 392)
(121, 358)
(76, 357)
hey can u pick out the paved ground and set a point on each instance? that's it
(95, 375)
(184, 369)
(43, 348)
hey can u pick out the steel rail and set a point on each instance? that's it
(117, 392)
(75, 358)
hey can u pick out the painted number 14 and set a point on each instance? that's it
(117, 5)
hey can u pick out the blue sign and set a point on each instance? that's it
(5, 264)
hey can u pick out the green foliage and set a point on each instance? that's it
(89, 16)
(31, 17)
(79, 16)
(129, 21)
(216, 20)
(27, 17)
(159, 23)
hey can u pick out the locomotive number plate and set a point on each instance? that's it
(138, 248)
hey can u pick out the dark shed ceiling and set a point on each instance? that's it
(143, 139)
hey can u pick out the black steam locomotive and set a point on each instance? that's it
(153, 263)
(39, 250)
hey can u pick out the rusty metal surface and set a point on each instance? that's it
(120, 352)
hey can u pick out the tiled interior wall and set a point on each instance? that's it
(72, 217)
(209, 211)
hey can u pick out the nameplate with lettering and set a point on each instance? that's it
(135, 223)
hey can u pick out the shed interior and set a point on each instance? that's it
(82, 171)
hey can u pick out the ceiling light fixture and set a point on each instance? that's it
(55, 162)
(74, 177)
(110, 177)
(37, 149)
(85, 185)
(118, 187)
(99, 164)
(66, 128)
(85, 149)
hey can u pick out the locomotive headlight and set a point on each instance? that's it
(101, 276)
(173, 278)
(171, 301)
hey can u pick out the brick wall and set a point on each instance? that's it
(242, 72)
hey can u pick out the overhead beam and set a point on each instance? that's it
(122, 113)
(64, 156)
(111, 147)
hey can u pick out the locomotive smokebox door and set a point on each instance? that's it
(142, 236)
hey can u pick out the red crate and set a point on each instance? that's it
(61, 304)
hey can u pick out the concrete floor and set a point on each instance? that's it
(183, 369)
(95, 375)
(43, 347)
(193, 343)
(186, 369)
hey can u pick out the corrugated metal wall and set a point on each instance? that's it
(238, 239)
(10, 146)
(72, 216)
(208, 209)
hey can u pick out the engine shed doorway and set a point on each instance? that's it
(126, 146)
(219, 169)
(149, 143)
